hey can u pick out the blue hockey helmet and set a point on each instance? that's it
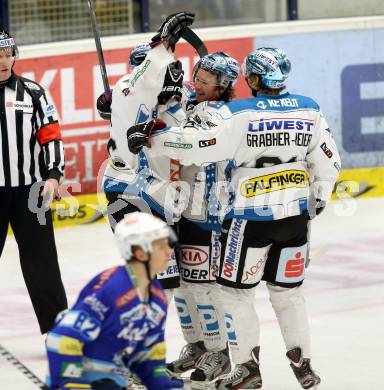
(272, 65)
(138, 54)
(7, 42)
(226, 67)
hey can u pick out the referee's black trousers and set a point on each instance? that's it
(38, 255)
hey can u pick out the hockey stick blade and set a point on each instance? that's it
(192, 38)
(96, 36)
(23, 369)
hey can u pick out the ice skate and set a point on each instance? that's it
(302, 369)
(210, 366)
(135, 384)
(244, 376)
(187, 360)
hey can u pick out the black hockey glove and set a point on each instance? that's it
(103, 105)
(173, 82)
(173, 28)
(315, 207)
(138, 135)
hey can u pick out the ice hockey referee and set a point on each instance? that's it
(31, 165)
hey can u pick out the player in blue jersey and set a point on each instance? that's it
(116, 327)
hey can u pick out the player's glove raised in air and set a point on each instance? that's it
(138, 135)
(173, 28)
(173, 83)
(103, 105)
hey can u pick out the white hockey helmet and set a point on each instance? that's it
(141, 229)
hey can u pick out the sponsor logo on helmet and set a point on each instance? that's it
(9, 42)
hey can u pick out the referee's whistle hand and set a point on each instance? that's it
(50, 192)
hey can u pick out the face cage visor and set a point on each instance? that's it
(221, 81)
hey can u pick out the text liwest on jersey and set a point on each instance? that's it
(280, 124)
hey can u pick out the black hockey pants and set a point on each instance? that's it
(37, 251)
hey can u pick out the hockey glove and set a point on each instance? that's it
(173, 28)
(173, 83)
(103, 105)
(138, 135)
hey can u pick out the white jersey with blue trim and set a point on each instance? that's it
(134, 100)
(279, 146)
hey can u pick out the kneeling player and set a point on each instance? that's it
(116, 327)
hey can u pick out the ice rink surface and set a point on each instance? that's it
(344, 289)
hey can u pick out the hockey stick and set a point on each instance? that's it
(20, 366)
(191, 37)
(96, 36)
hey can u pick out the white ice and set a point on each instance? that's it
(344, 289)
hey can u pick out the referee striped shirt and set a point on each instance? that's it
(31, 148)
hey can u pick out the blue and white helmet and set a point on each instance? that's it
(138, 54)
(6, 41)
(272, 65)
(226, 67)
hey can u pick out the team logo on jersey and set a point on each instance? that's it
(261, 105)
(274, 182)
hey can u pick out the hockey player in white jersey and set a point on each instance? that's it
(132, 182)
(285, 161)
(199, 230)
